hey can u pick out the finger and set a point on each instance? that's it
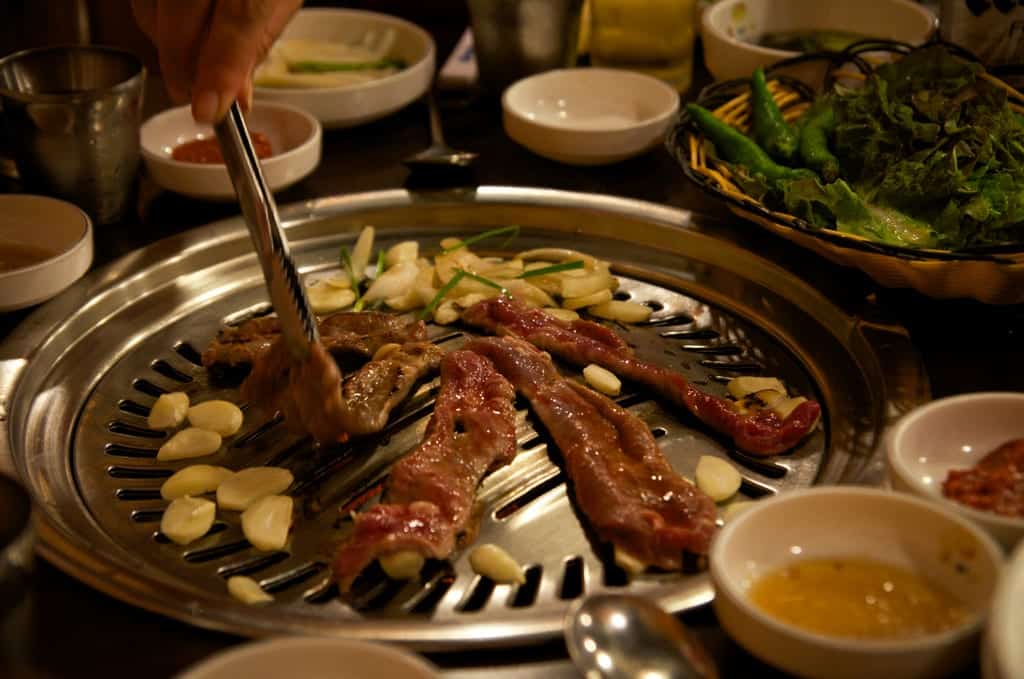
(181, 29)
(245, 96)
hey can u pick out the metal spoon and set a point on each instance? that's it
(614, 636)
(439, 153)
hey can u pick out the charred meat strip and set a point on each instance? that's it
(584, 342)
(430, 493)
(622, 483)
(313, 399)
(355, 334)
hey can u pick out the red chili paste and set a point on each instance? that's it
(995, 484)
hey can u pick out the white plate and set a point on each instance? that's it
(955, 433)
(1003, 654)
(338, 107)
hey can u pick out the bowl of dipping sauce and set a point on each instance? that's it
(589, 116)
(45, 246)
(848, 582)
(183, 156)
(966, 452)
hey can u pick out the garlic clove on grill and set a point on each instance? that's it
(188, 443)
(267, 521)
(741, 387)
(249, 485)
(404, 565)
(629, 563)
(567, 315)
(602, 380)
(187, 519)
(718, 478)
(247, 590)
(491, 561)
(195, 479)
(223, 417)
(169, 411)
(621, 310)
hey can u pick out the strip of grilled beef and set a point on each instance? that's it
(430, 493)
(311, 396)
(583, 342)
(623, 485)
(344, 335)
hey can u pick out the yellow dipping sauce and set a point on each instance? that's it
(855, 598)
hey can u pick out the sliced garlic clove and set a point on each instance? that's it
(187, 519)
(247, 590)
(624, 311)
(567, 315)
(491, 561)
(717, 478)
(629, 563)
(249, 485)
(599, 297)
(223, 417)
(343, 282)
(785, 407)
(324, 298)
(194, 480)
(602, 380)
(267, 521)
(741, 387)
(406, 251)
(404, 565)
(189, 443)
(169, 411)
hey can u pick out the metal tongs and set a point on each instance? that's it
(287, 294)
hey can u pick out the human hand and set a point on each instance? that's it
(209, 48)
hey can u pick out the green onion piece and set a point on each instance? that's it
(346, 264)
(512, 232)
(554, 268)
(445, 289)
(338, 66)
(380, 264)
(486, 281)
(358, 306)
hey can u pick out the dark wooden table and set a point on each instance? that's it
(65, 629)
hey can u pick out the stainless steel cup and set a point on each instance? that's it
(516, 38)
(71, 115)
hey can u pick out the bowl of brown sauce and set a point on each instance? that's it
(45, 246)
(183, 156)
(838, 582)
(966, 452)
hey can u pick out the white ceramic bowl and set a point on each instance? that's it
(295, 139)
(1003, 653)
(312, 658)
(338, 107)
(729, 26)
(589, 116)
(954, 433)
(47, 224)
(826, 522)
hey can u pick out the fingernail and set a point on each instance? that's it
(206, 106)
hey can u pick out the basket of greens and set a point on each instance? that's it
(908, 165)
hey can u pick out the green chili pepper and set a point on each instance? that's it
(771, 130)
(735, 147)
(818, 124)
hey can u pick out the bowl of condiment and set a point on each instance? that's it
(183, 156)
(740, 35)
(567, 115)
(966, 452)
(347, 67)
(45, 246)
(838, 582)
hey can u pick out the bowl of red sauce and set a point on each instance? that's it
(182, 155)
(966, 452)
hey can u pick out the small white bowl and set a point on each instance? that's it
(589, 116)
(835, 522)
(312, 658)
(48, 224)
(728, 28)
(1003, 652)
(295, 139)
(955, 433)
(338, 107)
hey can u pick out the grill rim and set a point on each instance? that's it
(112, 287)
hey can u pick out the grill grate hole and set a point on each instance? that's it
(738, 367)
(716, 350)
(293, 577)
(117, 450)
(654, 305)
(479, 594)
(189, 353)
(125, 429)
(659, 432)
(218, 552)
(772, 470)
(612, 575)
(218, 527)
(169, 371)
(435, 593)
(263, 429)
(147, 515)
(698, 334)
(148, 388)
(132, 408)
(447, 337)
(137, 494)
(513, 506)
(326, 592)
(721, 379)
(622, 296)
(630, 400)
(526, 593)
(381, 594)
(252, 565)
(572, 579)
(138, 472)
(674, 319)
(753, 489)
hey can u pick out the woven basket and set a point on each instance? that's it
(993, 275)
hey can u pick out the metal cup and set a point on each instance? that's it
(72, 117)
(516, 38)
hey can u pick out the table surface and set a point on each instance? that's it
(64, 628)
